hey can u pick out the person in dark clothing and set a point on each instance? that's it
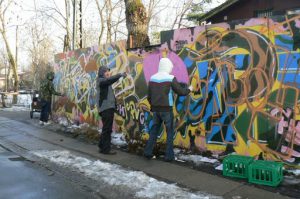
(46, 91)
(106, 106)
(161, 87)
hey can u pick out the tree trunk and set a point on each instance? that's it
(108, 21)
(12, 63)
(136, 22)
(67, 39)
(100, 11)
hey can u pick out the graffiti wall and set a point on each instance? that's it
(246, 79)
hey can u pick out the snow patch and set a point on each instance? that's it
(15, 109)
(118, 139)
(143, 185)
(296, 172)
(63, 121)
(220, 167)
(197, 159)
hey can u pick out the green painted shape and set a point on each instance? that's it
(266, 128)
(242, 124)
(290, 98)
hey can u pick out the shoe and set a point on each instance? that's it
(47, 123)
(41, 122)
(149, 157)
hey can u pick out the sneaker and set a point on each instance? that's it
(47, 123)
(149, 157)
(41, 122)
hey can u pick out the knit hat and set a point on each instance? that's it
(102, 70)
(165, 65)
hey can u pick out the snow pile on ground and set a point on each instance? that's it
(23, 103)
(220, 167)
(118, 139)
(24, 100)
(197, 159)
(63, 121)
(296, 172)
(143, 185)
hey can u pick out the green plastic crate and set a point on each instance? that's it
(236, 166)
(266, 173)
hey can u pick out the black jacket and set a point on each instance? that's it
(160, 92)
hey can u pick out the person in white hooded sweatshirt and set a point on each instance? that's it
(161, 88)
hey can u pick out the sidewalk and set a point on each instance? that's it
(25, 136)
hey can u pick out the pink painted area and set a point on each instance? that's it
(288, 150)
(181, 35)
(297, 23)
(151, 62)
(256, 22)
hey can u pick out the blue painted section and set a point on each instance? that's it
(195, 108)
(287, 61)
(202, 68)
(229, 134)
(289, 78)
(288, 65)
(180, 106)
(281, 40)
(188, 62)
(240, 59)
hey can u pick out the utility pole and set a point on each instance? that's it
(74, 24)
(77, 24)
(17, 27)
(6, 78)
(80, 24)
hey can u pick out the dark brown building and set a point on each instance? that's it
(244, 9)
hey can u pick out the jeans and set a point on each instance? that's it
(158, 118)
(46, 109)
(107, 117)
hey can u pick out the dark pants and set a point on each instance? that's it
(158, 118)
(46, 109)
(107, 117)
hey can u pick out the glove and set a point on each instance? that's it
(191, 88)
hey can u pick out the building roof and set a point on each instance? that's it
(211, 13)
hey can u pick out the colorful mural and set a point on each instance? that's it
(246, 77)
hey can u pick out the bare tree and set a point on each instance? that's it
(111, 19)
(101, 14)
(61, 17)
(185, 8)
(109, 11)
(181, 12)
(4, 6)
(154, 8)
(39, 46)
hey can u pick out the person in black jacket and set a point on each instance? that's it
(161, 87)
(106, 106)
